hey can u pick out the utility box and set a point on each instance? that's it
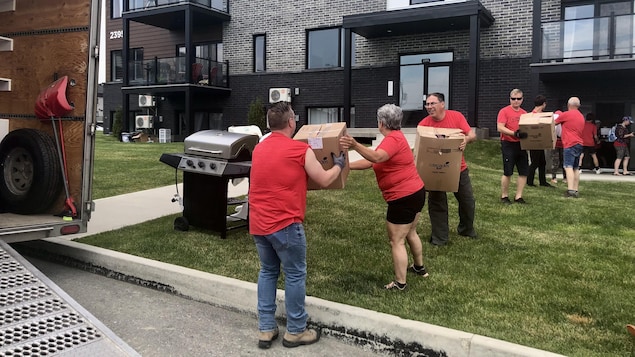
(165, 136)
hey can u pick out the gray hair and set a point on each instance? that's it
(574, 102)
(390, 116)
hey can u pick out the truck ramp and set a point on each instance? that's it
(37, 318)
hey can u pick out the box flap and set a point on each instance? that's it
(536, 118)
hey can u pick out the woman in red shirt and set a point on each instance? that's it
(401, 187)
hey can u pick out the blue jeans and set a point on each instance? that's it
(571, 156)
(286, 246)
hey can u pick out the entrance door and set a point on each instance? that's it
(421, 74)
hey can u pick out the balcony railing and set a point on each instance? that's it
(590, 39)
(172, 70)
(220, 5)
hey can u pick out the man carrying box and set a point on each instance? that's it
(572, 127)
(507, 124)
(439, 117)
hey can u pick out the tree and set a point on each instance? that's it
(117, 124)
(257, 114)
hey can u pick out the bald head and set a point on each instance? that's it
(573, 102)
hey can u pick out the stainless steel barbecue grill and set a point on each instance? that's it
(210, 160)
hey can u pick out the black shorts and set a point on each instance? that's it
(514, 156)
(403, 210)
(590, 150)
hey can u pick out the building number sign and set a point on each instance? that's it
(116, 34)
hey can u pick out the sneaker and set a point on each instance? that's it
(554, 181)
(505, 200)
(597, 170)
(393, 285)
(421, 271)
(520, 200)
(531, 185)
(307, 337)
(266, 337)
(570, 194)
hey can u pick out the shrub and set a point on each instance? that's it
(257, 114)
(117, 124)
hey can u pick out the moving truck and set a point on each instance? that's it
(48, 98)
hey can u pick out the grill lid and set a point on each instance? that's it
(221, 144)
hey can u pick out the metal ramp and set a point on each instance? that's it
(37, 318)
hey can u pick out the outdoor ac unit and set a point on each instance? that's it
(146, 101)
(279, 95)
(143, 121)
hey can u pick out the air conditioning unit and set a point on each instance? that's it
(143, 121)
(279, 95)
(146, 101)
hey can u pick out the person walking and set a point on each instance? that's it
(572, 122)
(280, 167)
(537, 157)
(402, 188)
(622, 153)
(589, 142)
(440, 117)
(513, 156)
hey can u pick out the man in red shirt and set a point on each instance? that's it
(439, 117)
(280, 168)
(589, 140)
(513, 155)
(572, 127)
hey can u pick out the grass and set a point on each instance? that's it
(556, 274)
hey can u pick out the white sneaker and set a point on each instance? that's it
(598, 171)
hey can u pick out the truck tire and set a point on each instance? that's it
(31, 173)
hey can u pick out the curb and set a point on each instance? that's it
(369, 329)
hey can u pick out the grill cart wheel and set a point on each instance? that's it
(31, 179)
(181, 224)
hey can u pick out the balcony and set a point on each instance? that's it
(173, 70)
(591, 39)
(133, 5)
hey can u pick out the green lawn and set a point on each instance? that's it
(556, 274)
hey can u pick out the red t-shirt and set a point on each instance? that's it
(452, 120)
(511, 118)
(588, 134)
(572, 127)
(397, 177)
(277, 184)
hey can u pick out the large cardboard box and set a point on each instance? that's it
(324, 139)
(438, 157)
(540, 129)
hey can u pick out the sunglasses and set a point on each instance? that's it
(512, 98)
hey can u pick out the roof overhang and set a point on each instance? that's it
(599, 69)
(172, 16)
(436, 18)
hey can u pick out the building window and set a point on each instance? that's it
(259, 53)
(417, 2)
(137, 70)
(116, 7)
(328, 115)
(116, 66)
(326, 48)
(421, 74)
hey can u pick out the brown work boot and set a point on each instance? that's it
(306, 337)
(265, 338)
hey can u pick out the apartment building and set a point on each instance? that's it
(194, 65)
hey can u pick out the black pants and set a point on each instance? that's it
(438, 211)
(539, 162)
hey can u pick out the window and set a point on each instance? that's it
(329, 115)
(416, 2)
(326, 48)
(116, 7)
(137, 70)
(116, 66)
(259, 53)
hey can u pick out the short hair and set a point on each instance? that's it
(590, 116)
(540, 100)
(278, 115)
(439, 96)
(515, 91)
(390, 116)
(574, 102)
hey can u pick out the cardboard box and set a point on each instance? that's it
(438, 158)
(540, 129)
(324, 139)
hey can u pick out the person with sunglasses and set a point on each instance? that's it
(513, 156)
